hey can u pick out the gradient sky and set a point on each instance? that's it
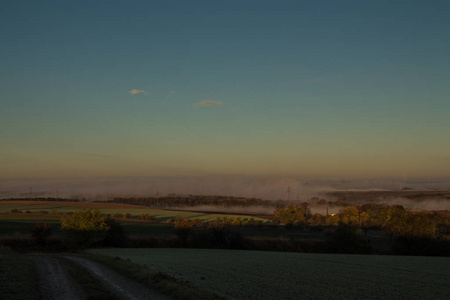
(194, 88)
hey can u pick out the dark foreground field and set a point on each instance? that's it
(220, 274)
(46, 263)
(72, 276)
(274, 275)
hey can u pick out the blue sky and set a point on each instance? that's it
(169, 88)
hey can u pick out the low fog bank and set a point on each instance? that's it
(418, 205)
(422, 205)
(425, 204)
(254, 210)
(108, 188)
(266, 188)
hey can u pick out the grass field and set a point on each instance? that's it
(273, 275)
(112, 209)
(23, 224)
(19, 224)
(18, 279)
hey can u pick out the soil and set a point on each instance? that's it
(56, 283)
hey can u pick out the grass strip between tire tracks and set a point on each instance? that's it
(155, 280)
(91, 285)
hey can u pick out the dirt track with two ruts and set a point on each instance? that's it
(56, 282)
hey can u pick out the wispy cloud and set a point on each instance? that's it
(209, 103)
(138, 92)
(170, 94)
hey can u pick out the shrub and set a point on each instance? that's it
(236, 222)
(291, 214)
(235, 238)
(144, 217)
(115, 235)
(182, 229)
(289, 225)
(274, 223)
(197, 222)
(350, 216)
(421, 246)
(41, 233)
(217, 237)
(84, 227)
(345, 239)
(217, 234)
(118, 216)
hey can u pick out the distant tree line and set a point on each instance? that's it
(177, 201)
(41, 199)
(220, 233)
(393, 220)
(198, 200)
(409, 232)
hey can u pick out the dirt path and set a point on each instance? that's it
(121, 286)
(56, 283)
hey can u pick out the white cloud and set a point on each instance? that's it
(138, 92)
(208, 103)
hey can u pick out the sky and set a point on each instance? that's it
(223, 88)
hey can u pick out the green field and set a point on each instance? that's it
(112, 209)
(24, 224)
(274, 275)
(18, 278)
(19, 224)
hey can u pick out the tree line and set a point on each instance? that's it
(41, 199)
(196, 200)
(172, 200)
(394, 220)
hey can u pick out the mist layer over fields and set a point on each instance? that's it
(266, 188)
